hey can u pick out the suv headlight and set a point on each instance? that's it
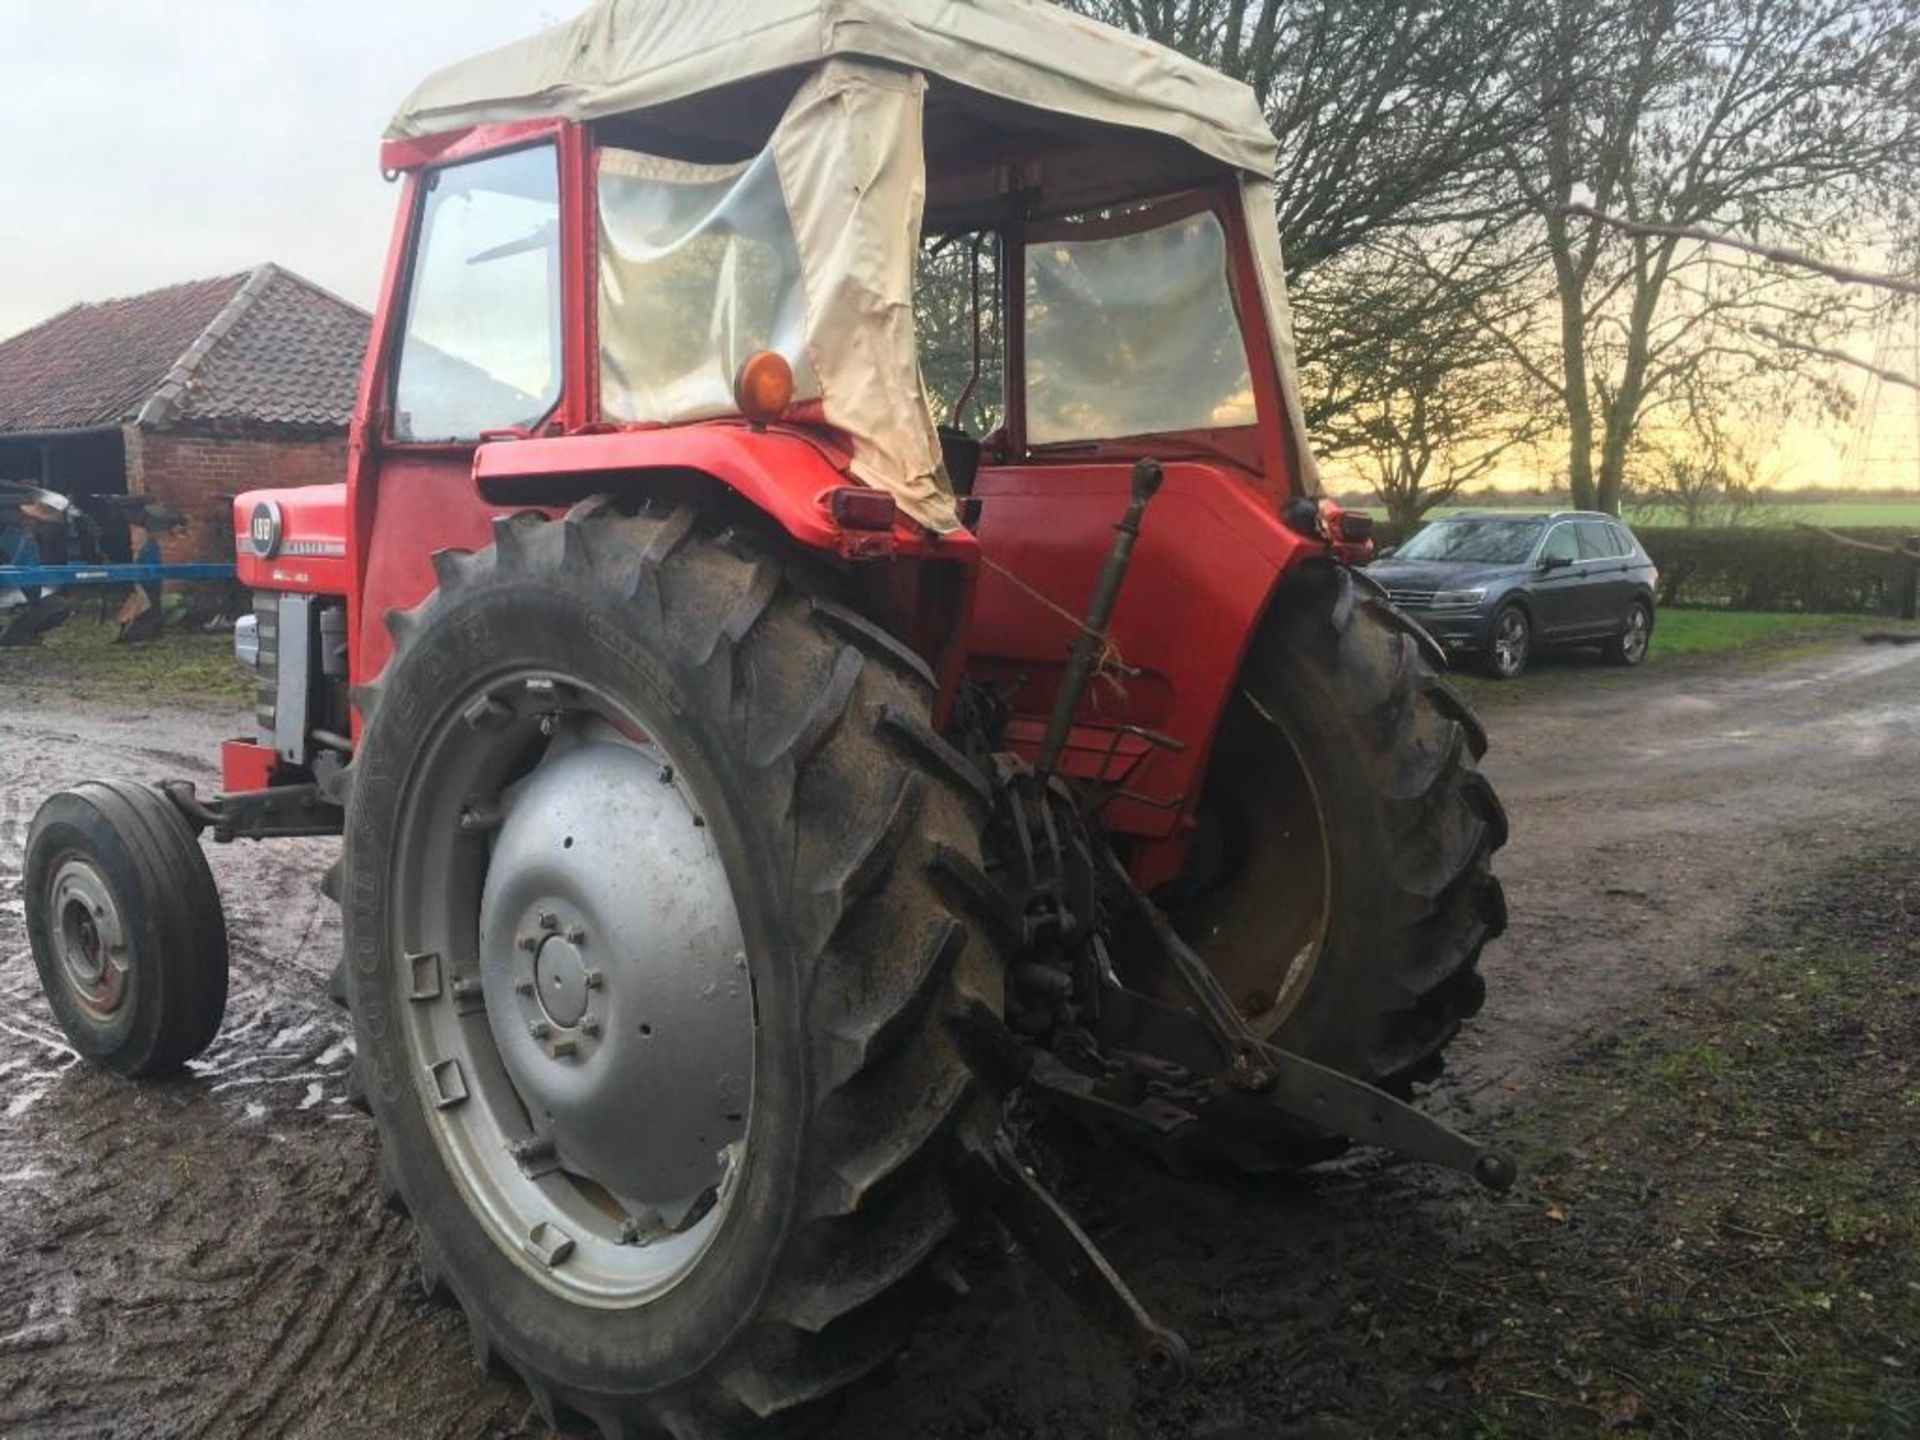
(1456, 599)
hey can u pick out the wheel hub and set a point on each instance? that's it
(560, 980)
(615, 974)
(91, 938)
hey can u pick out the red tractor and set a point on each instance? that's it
(748, 784)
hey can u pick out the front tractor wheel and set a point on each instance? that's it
(650, 975)
(126, 927)
(1346, 889)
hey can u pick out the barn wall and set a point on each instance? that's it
(198, 475)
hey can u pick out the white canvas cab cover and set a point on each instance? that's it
(850, 162)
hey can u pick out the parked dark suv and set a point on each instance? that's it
(1496, 585)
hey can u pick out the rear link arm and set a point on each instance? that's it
(1305, 1089)
(1073, 1262)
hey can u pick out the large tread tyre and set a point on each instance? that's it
(1343, 692)
(117, 887)
(832, 799)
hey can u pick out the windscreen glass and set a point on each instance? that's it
(1133, 335)
(482, 344)
(1479, 542)
(698, 269)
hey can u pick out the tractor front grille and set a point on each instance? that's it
(266, 669)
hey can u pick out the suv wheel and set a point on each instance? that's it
(1509, 643)
(1629, 647)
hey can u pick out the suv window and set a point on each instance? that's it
(1597, 540)
(482, 343)
(1561, 544)
(1624, 539)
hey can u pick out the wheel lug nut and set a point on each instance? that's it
(595, 979)
(589, 1026)
(562, 1045)
(529, 943)
(577, 934)
(523, 987)
(539, 1029)
(548, 920)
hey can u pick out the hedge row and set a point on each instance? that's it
(1761, 567)
(1771, 568)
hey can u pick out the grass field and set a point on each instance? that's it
(1834, 514)
(81, 660)
(1700, 632)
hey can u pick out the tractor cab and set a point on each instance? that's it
(912, 284)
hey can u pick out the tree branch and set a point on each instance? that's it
(1778, 255)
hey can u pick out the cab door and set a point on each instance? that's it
(475, 321)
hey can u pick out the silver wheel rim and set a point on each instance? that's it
(90, 937)
(1510, 642)
(1634, 643)
(578, 1000)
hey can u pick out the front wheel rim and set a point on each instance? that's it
(1510, 643)
(585, 1061)
(1634, 643)
(90, 938)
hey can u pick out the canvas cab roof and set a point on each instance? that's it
(623, 56)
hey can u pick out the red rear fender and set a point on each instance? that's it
(1209, 555)
(425, 502)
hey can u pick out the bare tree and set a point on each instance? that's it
(1394, 123)
(1796, 120)
(1409, 386)
(1388, 116)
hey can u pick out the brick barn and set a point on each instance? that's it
(187, 395)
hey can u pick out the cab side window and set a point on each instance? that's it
(482, 343)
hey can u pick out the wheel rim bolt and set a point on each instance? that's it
(577, 934)
(539, 1029)
(595, 979)
(589, 1026)
(548, 920)
(529, 943)
(523, 987)
(561, 1046)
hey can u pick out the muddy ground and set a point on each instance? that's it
(1700, 1035)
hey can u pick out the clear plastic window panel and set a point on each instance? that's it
(698, 269)
(1134, 335)
(482, 344)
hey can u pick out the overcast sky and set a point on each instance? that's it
(150, 141)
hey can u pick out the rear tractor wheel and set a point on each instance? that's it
(650, 973)
(1350, 889)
